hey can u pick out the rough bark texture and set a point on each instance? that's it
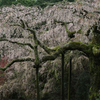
(49, 34)
(95, 77)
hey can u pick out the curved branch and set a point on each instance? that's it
(71, 34)
(31, 30)
(48, 50)
(16, 60)
(68, 46)
(28, 44)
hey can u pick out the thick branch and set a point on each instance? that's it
(16, 60)
(28, 44)
(68, 46)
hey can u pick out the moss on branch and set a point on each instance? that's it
(92, 50)
(15, 42)
(96, 50)
(71, 34)
(48, 50)
(16, 60)
(68, 46)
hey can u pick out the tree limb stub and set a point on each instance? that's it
(28, 44)
(16, 60)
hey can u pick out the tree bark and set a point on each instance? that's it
(94, 77)
(91, 50)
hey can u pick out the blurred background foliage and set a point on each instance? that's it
(42, 3)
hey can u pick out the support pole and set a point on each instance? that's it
(37, 83)
(62, 79)
(69, 79)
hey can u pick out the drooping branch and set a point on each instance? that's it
(16, 60)
(68, 46)
(28, 44)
